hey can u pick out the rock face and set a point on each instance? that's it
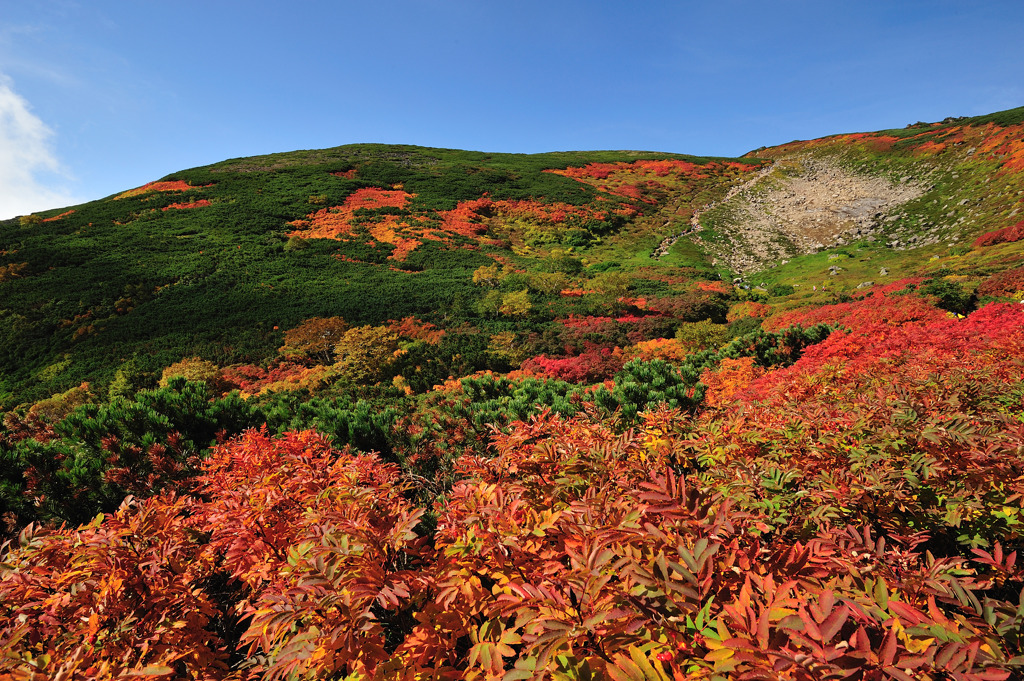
(668, 242)
(806, 206)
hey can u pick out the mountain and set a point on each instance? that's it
(394, 412)
(207, 262)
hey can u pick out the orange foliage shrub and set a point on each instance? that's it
(414, 329)
(747, 309)
(715, 287)
(332, 223)
(148, 591)
(60, 217)
(12, 271)
(182, 206)
(405, 233)
(668, 349)
(171, 186)
(732, 376)
(113, 599)
(315, 338)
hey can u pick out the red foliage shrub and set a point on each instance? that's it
(877, 353)
(591, 366)
(878, 306)
(414, 329)
(1003, 284)
(589, 323)
(1005, 235)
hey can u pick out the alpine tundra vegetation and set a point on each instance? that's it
(394, 412)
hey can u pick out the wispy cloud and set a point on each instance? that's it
(31, 177)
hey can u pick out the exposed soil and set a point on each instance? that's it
(798, 206)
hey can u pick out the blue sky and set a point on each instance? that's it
(98, 96)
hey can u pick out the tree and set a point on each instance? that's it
(364, 352)
(194, 369)
(490, 303)
(549, 283)
(505, 345)
(487, 275)
(703, 335)
(515, 304)
(315, 338)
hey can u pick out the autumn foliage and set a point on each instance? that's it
(185, 206)
(167, 186)
(315, 338)
(645, 180)
(561, 466)
(1003, 284)
(858, 517)
(1005, 235)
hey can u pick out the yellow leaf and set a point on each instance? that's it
(153, 670)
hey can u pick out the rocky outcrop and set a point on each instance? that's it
(800, 205)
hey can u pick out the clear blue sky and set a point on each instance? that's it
(97, 96)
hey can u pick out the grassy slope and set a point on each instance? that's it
(126, 279)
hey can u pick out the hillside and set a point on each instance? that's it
(400, 412)
(219, 261)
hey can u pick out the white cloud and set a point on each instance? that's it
(30, 173)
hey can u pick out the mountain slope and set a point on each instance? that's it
(202, 263)
(218, 261)
(396, 413)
